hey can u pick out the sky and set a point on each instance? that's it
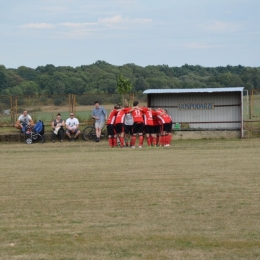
(72, 33)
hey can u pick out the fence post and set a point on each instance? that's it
(251, 104)
(72, 103)
(13, 105)
(69, 101)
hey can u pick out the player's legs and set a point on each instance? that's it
(135, 131)
(110, 133)
(120, 133)
(147, 131)
(140, 133)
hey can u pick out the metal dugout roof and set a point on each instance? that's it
(193, 90)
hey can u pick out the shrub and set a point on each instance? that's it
(58, 101)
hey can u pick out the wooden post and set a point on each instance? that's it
(74, 104)
(13, 108)
(250, 104)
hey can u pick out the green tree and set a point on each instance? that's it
(13, 79)
(252, 76)
(124, 86)
(229, 80)
(27, 73)
(75, 85)
(3, 80)
(29, 88)
(16, 91)
(59, 87)
(140, 84)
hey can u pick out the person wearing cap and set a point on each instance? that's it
(23, 121)
(72, 127)
(100, 115)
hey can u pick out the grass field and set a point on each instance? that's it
(193, 200)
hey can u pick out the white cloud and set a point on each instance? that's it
(201, 46)
(223, 27)
(119, 20)
(78, 33)
(142, 21)
(77, 25)
(37, 26)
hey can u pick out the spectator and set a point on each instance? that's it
(100, 115)
(24, 121)
(72, 125)
(57, 126)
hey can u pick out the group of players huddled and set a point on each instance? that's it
(129, 123)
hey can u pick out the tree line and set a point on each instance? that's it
(101, 77)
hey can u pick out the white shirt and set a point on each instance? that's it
(24, 119)
(129, 119)
(72, 122)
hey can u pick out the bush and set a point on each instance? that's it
(43, 100)
(2, 108)
(114, 99)
(87, 100)
(58, 101)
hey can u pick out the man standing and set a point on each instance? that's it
(100, 115)
(72, 125)
(23, 121)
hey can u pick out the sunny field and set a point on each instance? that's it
(193, 200)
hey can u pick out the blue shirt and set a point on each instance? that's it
(99, 112)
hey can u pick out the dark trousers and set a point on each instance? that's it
(60, 134)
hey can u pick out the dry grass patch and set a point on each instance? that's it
(195, 200)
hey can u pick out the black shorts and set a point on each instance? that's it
(111, 129)
(149, 129)
(157, 129)
(129, 129)
(120, 128)
(167, 127)
(138, 128)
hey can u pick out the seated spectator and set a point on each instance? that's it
(57, 126)
(72, 125)
(24, 121)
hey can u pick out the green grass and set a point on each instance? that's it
(199, 199)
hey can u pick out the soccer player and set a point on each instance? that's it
(148, 125)
(119, 124)
(138, 126)
(156, 128)
(166, 122)
(111, 127)
(129, 121)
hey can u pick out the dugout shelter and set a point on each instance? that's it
(201, 109)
